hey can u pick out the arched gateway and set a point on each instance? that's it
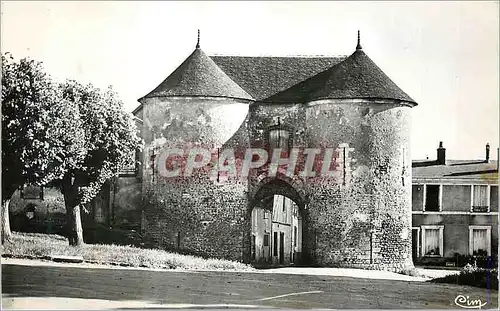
(277, 215)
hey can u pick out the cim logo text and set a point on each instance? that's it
(465, 302)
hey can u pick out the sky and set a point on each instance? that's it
(443, 54)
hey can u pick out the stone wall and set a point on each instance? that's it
(53, 202)
(49, 214)
(196, 214)
(208, 218)
(125, 197)
(358, 217)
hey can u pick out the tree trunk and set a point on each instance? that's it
(74, 229)
(6, 233)
(7, 192)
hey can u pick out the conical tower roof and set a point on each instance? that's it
(198, 75)
(357, 77)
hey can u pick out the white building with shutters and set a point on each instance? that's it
(454, 208)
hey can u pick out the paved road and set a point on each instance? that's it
(22, 283)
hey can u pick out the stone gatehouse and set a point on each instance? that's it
(359, 215)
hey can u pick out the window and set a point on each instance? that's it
(480, 240)
(266, 239)
(295, 236)
(493, 198)
(266, 214)
(254, 247)
(279, 138)
(275, 244)
(415, 238)
(417, 197)
(480, 198)
(99, 214)
(277, 207)
(432, 198)
(432, 241)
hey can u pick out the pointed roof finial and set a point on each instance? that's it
(358, 47)
(198, 42)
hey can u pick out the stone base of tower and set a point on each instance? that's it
(393, 267)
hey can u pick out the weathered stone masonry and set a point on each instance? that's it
(360, 217)
(364, 221)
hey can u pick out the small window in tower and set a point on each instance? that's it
(279, 138)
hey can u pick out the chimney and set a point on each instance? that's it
(441, 154)
(487, 160)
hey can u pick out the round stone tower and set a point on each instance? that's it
(359, 214)
(197, 107)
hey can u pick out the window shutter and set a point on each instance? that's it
(432, 242)
(480, 195)
(479, 240)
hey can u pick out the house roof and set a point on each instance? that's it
(137, 110)
(198, 75)
(355, 77)
(455, 169)
(264, 76)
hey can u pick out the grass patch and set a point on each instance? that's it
(50, 245)
(484, 278)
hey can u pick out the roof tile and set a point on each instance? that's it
(355, 77)
(199, 75)
(264, 76)
(455, 169)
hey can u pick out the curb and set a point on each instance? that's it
(27, 257)
(78, 259)
(66, 259)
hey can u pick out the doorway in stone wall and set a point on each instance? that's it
(276, 226)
